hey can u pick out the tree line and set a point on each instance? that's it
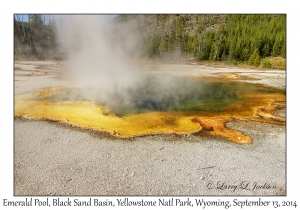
(35, 38)
(236, 38)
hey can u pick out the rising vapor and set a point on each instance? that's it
(100, 61)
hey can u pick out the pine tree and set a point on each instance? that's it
(254, 59)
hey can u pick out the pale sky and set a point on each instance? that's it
(45, 17)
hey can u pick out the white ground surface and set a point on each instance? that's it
(51, 159)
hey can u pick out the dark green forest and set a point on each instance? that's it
(235, 38)
(244, 38)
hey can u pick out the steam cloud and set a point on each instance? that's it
(98, 50)
(100, 54)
